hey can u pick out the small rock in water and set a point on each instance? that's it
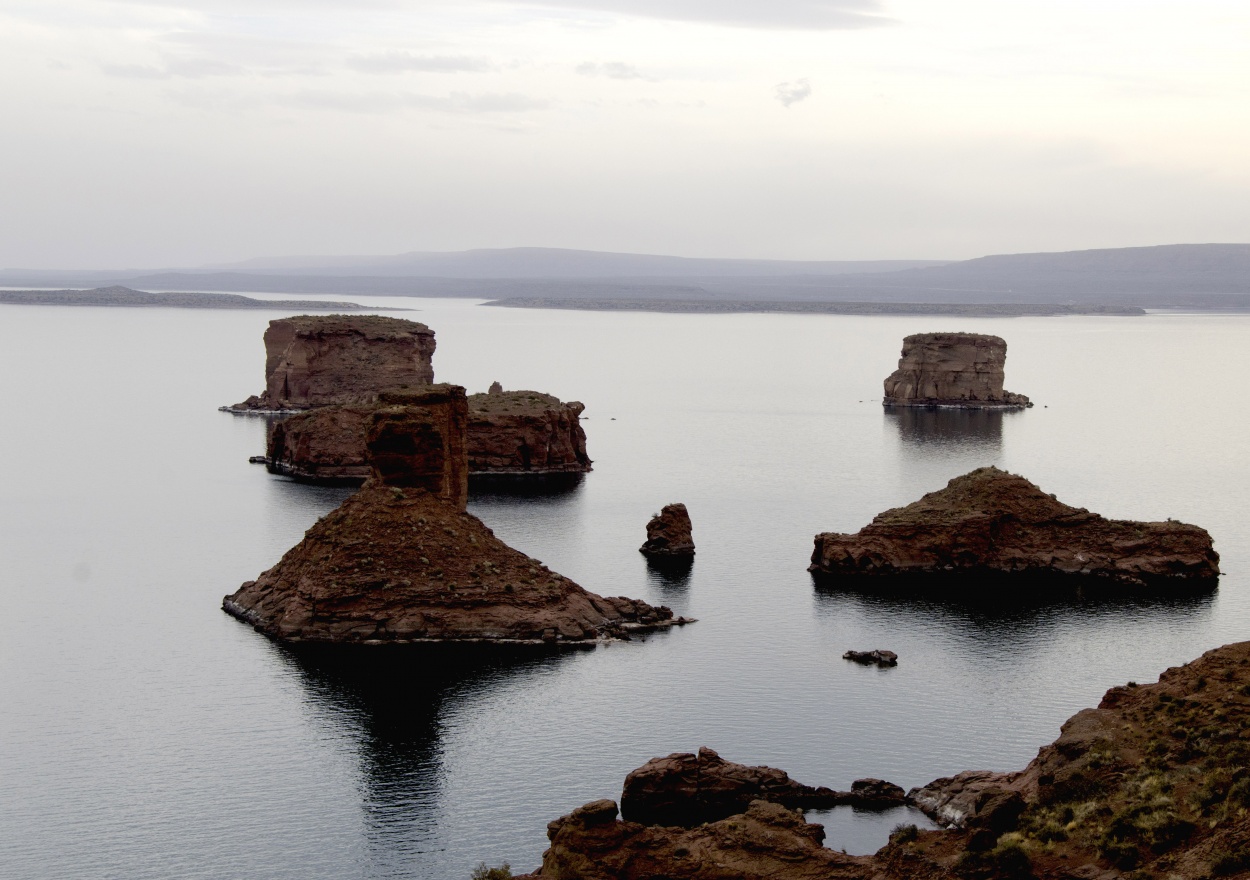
(881, 658)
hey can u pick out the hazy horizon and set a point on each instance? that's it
(164, 133)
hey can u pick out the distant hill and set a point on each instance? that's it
(117, 295)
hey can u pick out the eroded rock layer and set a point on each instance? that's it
(989, 522)
(1152, 783)
(525, 432)
(951, 369)
(313, 361)
(669, 533)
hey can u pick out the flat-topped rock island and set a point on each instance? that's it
(952, 369)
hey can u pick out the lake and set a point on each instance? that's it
(146, 734)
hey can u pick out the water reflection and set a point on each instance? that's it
(670, 575)
(487, 486)
(944, 427)
(390, 704)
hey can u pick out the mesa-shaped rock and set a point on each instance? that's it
(992, 523)
(401, 561)
(320, 360)
(689, 789)
(952, 369)
(513, 432)
(669, 534)
(525, 432)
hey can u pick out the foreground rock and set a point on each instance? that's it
(690, 789)
(669, 534)
(313, 361)
(516, 432)
(989, 522)
(400, 561)
(1152, 783)
(525, 432)
(952, 369)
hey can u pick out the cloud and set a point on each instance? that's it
(404, 62)
(792, 92)
(612, 70)
(457, 102)
(781, 14)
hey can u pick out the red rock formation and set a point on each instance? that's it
(690, 789)
(992, 522)
(398, 563)
(669, 533)
(315, 361)
(951, 369)
(519, 432)
(1153, 782)
(515, 432)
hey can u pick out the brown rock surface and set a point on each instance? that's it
(525, 432)
(951, 369)
(876, 657)
(989, 522)
(315, 361)
(764, 842)
(1155, 782)
(669, 533)
(398, 563)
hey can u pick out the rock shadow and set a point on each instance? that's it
(488, 486)
(390, 702)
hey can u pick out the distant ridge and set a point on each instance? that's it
(116, 295)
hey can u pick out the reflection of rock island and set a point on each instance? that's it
(989, 522)
(928, 426)
(334, 359)
(401, 561)
(1153, 782)
(951, 369)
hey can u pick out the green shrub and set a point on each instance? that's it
(482, 872)
(904, 833)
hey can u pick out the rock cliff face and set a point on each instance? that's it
(400, 561)
(525, 432)
(951, 369)
(315, 361)
(518, 432)
(993, 523)
(1152, 783)
(669, 534)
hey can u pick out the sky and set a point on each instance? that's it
(190, 132)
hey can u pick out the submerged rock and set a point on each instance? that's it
(400, 561)
(321, 360)
(669, 533)
(989, 522)
(952, 369)
(869, 658)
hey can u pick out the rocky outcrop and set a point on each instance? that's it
(525, 432)
(951, 369)
(517, 432)
(400, 561)
(872, 658)
(992, 523)
(313, 361)
(668, 534)
(1152, 783)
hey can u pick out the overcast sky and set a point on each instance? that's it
(180, 132)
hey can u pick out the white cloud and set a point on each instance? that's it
(612, 70)
(785, 14)
(405, 62)
(792, 92)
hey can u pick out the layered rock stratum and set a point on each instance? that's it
(992, 523)
(669, 534)
(401, 561)
(1153, 783)
(511, 432)
(951, 369)
(525, 432)
(313, 361)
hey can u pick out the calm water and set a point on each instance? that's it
(145, 734)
